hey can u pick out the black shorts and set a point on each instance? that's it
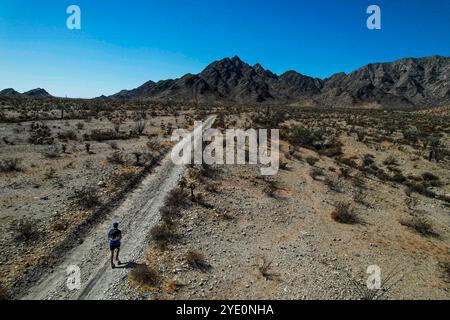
(113, 247)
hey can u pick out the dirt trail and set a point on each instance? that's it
(138, 213)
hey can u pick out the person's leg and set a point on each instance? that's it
(117, 255)
(112, 258)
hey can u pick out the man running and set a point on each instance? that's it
(114, 236)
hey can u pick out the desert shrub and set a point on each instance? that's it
(344, 213)
(315, 173)
(390, 161)
(311, 160)
(52, 152)
(428, 176)
(270, 187)
(113, 145)
(10, 165)
(264, 267)
(50, 173)
(301, 136)
(368, 160)
(139, 127)
(4, 294)
(80, 125)
(152, 144)
(123, 177)
(361, 134)
(445, 267)
(196, 260)
(172, 286)
(398, 177)
(116, 158)
(211, 187)
(40, 134)
(344, 172)
(333, 185)
(144, 275)
(104, 135)
(411, 134)
(86, 197)
(176, 197)
(25, 229)
(421, 225)
(162, 235)
(67, 135)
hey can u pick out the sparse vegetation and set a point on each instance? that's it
(421, 225)
(25, 230)
(344, 213)
(10, 165)
(86, 197)
(143, 274)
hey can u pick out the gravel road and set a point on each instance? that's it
(138, 213)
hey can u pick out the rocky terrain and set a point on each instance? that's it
(312, 230)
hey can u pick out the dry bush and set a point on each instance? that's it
(116, 158)
(113, 145)
(142, 274)
(196, 260)
(172, 286)
(368, 160)
(389, 282)
(40, 134)
(123, 177)
(10, 165)
(52, 152)
(50, 173)
(86, 197)
(80, 125)
(67, 135)
(445, 267)
(4, 295)
(176, 197)
(104, 135)
(162, 235)
(344, 213)
(264, 267)
(428, 176)
(390, 161)
(211, 186)
(25, 230)
(315, 173)
(139, 127)
(333, 185)
(270, 187)
(421, 225)
(311, 160)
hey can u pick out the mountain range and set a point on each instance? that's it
(405, 82)
(410, 81)
(35, 93)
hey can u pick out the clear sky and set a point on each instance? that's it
(124, 43)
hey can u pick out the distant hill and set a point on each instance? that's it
(35, 93)
(410, 81)
(38, 93)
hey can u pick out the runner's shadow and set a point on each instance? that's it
(127, 265)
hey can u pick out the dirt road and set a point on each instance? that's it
(138, 213)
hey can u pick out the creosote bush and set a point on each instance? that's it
(344, 213)
(10, 165)
(86, 197)
(25, 230)
(143, 274)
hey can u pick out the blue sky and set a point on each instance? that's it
(122, 44)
